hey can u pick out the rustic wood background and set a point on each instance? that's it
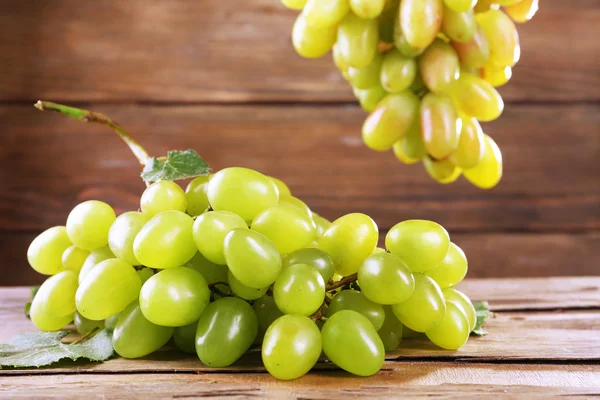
(222, 77)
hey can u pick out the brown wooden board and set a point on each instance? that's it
(239, 51)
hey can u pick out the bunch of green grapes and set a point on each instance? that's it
(425, 70)
(236, 260)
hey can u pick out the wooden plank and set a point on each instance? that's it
(238, 51)
(550, 180)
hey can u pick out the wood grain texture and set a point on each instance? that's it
(238, 51)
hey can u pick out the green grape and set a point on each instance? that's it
(165, 241)
(439, 66)
(321, 224)
(284, 190)
(266, 312)
(378, 250)
(174, 297)
(369, 98)
(210, 230)
(522, 11)
(145, 274)
(460, 5)
(488, 172)
(350, 239)
(398, 72)
(356, 301)
(316, 258)
(107, 289)
(95, 257)
(45, 252)
(57, 295)
(134, 336)
(88, 224)
(111, 322)
(211, 272)
(357, 39)
(408, 333)
(425, 308)
(390, 332)
(351, 342)
(496, 76)
(294, 4)
(367, 76)
(242, 191)
(384, 279)
(122, 233)
(324, 13)
(311, 42)
(289, 228)
(84, 325)
(421, 244)
(340, 63)
(452, 269)
(185, 337)
(475, 52)
(252, 258)
(163, 196)
(470, 145)
(196, 196)
(420, 21)
(410, 149)
(476, 98)
(367, 9)
(296, 203)
(44, 321)
(443, 171)
(73, 258)
(459, 26)
(243, 291)
(225, 331)
(299, 289)
(440, 125)
(484, 5)
(453, 330)
(291, 347)
(390, 121)
(502, 37)
(400, 41)
(464, 303)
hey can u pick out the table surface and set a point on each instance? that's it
(544, 340)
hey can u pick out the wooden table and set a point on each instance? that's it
(544, 341)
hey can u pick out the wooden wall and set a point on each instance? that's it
(222, 77)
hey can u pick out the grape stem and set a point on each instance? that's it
(342, 282)
(215, 290)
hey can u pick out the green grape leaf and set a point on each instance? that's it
(34, 291)
(482, 310)
(39, 349)
(179, 164)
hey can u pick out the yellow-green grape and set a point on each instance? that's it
(349, 241)
(266, 312)
(311, 41)
(369, 98)
(505, 2)
(357, 39)
(299, 289)
(174, 297)
(439, 66)
(145, 274)
(443, 171)
(452, 269)
(420, 21)
(296, 203)
(502, 37)
(289, 228)
(522, 11)
(165, 241)
(367, 9)
(398, 72)
(111, 322)
(244, 292)
(485, 5)
(453, 330)
(57, 295)
(440, 125)
(367, 76)
(107, 289)
(496, 76)
(470, 145)
(316, 258)
(44, 321)
(211, 272)
(284, 190)
(45, 252)
(425, 308)
(294, 4)
(421, 244)
(460, 5)
(384, 279)
(390, 332)
(475, 52)
(210, 230)
(85, 326)
(122, 234)
(323, 13)
(459, 26)
(465, 304)
(95, 257)
(476, 98)
(408, 333)
(197, 198)
(340, 63)
(390, 121)
(357, 301)
(88, 224)
(400, 41)
(321, 224)
(163, 196)
(410, 149)
(252, 258)
(73, 258)
(488, 172)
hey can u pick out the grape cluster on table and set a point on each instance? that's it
(425, 70)
(236, 261)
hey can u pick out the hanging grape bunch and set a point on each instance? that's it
(425, 70)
